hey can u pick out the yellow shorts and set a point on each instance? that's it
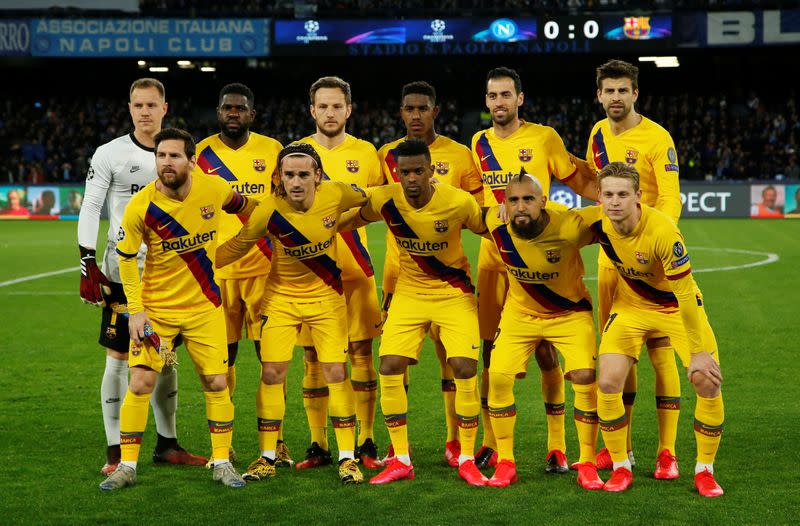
(241, 300)
(519, 333)
(411, 316)
(203, 334)
(363, 313)
(492, 290)
(629, 327)
(326, 321)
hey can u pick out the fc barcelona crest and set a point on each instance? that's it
(637, 27)
(553, 256)
(259, 165)
(351, 165)
(329, 221)
(440, 226)
(631, 156)
(207, 212)
(525, 154)
(641, 257)
(442, 168)
(111, 333)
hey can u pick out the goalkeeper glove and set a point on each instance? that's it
(92, 279)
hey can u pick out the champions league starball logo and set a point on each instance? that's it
(312, 28)
(438, 27)
(564, 197)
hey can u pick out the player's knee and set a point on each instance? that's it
(464, 367)
(582, 376)
(334, 372)
(122, 356)
(361, 348)
(704, 387)
(273, 373)
(214, 382)
(233, 351)
(546, 357)
(609, 385)
(143, 380)
(393, 364)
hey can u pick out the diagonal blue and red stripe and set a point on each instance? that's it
(505, 244)
(211, 164)
(599, 149)
(395, 222)
(353, 241)
(391, 163)
(323, 265)
(489, 162)
(166, 227)
(605, 242)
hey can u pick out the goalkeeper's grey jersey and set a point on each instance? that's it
(119, 169)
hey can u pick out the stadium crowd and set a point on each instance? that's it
(718, 138)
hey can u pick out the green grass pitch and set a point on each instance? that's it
(52, 442)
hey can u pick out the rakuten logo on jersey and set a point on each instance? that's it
(308, 251)
(497, 179)
(135, 188)
(187, 243)
(421, 248)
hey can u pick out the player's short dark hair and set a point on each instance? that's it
(175, 134)
(503, 72)
(331, 82)
(237, 88)
(621, 170)
(148, 82)
(523, 177)
(412, 147)
(618, 69)
(419, 87)
(295, 148)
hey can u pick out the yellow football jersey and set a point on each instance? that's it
(303, 268)
(545, 274)
(352, 162)
(648, 147)
(653, 264)
(538, 149)
(181, 239)
(247, 170)
(432, 259)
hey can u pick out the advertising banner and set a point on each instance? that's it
(15, 38)
(40, 201)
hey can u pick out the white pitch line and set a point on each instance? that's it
(38, 276)
(36, 293)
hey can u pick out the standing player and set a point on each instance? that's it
(547, 301)
(246, 160)
(656, 294)
(305, 287)
(433, 287)
(452, 165)
(512, 144)
(177, 217)
(627, 136)
(119, 169)
(352, 161)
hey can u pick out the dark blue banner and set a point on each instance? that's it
(15, 38)
(150, 37)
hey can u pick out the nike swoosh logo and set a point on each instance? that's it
(134, 169)
(485, 157)
(284, 235)
(395, 224)
(225, 361)
(598, 154)
(476, 346)
(506, 251)
(164, 226)
(212, 170)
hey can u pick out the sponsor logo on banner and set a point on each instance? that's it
(637, 27)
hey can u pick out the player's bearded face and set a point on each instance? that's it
(418, 114)
(617, 97)
(618, 198)
(331, 111)
(172, 165)
(147, 109)
(235, 115)
(300, 177)
(524, 203)
(502, 100)
(415, 174)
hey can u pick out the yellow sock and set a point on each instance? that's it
(231, 380)
(315, 402)
(489, 440)
(280, 429)
(448, 392)
(668, 396)
(709, 415)
(365, 387)
(503, 413)
(585, 413)
(132, 423)
(394, 405)
(553, 394)
(467, 411)
(219, 410)
(270, 409)
(343, 415)
(613, 424)
(628, 398)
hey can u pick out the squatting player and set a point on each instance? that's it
(246, 161)
(177, 217)
(625, 135)
(118, 170)
(500, 152)
(453, 165)
(352, 161)
(304, 287)
(433, 287)
(656, 294)
(546, 301)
